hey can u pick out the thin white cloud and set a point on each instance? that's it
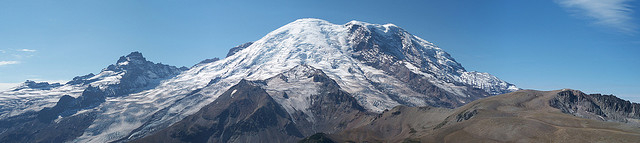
(27, 50)
(615, 14)
(6, 86)
(2, 63)
(2, 51)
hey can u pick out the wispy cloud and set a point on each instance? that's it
(27, 50)
(2, 51)
(610, 13)
(3, 63)
(6, 86)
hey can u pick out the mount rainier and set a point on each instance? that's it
(308, 73)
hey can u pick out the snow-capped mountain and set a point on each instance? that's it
(380, 66)
(422, 74)
(25, 98)
(132, 73)
(37, 111)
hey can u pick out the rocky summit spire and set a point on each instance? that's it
(134, 57)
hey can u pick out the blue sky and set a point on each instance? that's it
(590, 45)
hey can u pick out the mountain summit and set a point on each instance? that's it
(135, 57)
(382, 65)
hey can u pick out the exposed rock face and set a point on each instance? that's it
(234, 50)
(27, 128)
(130, 74)
(136, 74)
(317, 138)
(82, 79)
(597, 107)
(67, 105)
(37, 85)
(206, 61)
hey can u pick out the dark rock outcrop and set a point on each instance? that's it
(37, 85)
(82, 79)
(206, 61)
(138, 74)
(238, 48)
(27, 128)
(317, 138)
(67, 105)
(597, 106)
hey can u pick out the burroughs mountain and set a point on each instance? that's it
(300, 75)
(521, 116)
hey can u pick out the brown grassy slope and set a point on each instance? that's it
(522, 116)
(396, 125)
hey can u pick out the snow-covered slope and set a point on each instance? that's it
(23, 98)
(132, 73)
